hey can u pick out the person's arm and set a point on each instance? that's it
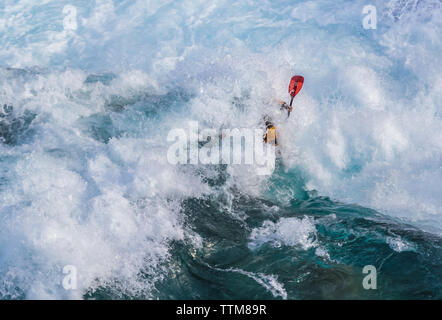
(286, 106)
(279, 101)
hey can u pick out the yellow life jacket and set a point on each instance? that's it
(270, 136)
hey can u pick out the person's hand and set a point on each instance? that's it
(290, 109)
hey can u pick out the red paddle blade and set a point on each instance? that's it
(295, 85)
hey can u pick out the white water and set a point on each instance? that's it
(367, 126)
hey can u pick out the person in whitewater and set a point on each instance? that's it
(270, 132)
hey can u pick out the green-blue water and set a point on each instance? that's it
(226, 265)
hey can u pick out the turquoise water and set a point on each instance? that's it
(89, 92)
